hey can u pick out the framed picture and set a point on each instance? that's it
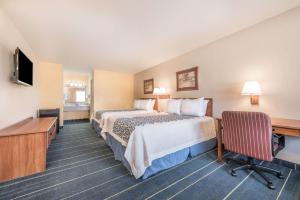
(187, 79)
(148, 86)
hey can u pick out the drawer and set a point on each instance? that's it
(51, 133)
(52, 129)
(286, 131)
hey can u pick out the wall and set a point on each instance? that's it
(50, 80)
(112, 90)
(267, 52)
(16, 102)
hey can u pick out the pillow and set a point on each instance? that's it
(145, 104)
(136, 104)
(151, 105)
(194, 107)
(204, 108)
(174, 106)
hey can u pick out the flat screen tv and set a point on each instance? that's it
(23, 69)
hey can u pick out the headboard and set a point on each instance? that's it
(209, 110)
(155, 104)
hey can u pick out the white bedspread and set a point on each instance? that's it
(153, 141)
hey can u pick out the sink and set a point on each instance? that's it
(76, 107)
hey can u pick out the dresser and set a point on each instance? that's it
(23, 147)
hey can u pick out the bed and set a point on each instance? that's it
(100, 118)
(139, 141)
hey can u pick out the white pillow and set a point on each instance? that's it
(174, 106)
(151, 104)
(136, 104)
(145, 104)
(204, 108)
(194, 107)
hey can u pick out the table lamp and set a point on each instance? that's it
(252, 88)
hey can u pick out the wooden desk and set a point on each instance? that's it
(288, 127)
(23, 147)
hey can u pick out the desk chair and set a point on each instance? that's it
(249, 134)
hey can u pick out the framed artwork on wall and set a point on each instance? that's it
(187, 79)
(148, 86)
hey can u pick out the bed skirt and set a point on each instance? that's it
(96, 126)
(165, 162)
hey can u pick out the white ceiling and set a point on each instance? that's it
(131, 35)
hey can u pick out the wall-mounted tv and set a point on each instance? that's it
(23, 73)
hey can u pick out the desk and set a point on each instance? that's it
(288, 127)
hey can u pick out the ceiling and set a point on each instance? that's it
(131, 35)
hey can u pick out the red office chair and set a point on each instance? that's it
(249, 134)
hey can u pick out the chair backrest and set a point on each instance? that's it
(248, 133)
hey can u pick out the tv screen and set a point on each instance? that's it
(25, 69)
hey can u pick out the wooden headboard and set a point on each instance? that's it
(209, 110)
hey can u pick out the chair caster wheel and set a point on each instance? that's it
(280, 176)
(271, 186)
(233, 173)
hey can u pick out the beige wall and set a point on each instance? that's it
(50, 80)
(112, 90)
(76, 76)
(268, 52)
(16, 102)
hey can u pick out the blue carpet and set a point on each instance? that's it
(81, 166)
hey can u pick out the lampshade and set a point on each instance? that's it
(159, 91)
(156, 91)
(162, 90)
(251, 88)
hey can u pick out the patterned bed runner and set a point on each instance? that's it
(123, 127)
(101, 112)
